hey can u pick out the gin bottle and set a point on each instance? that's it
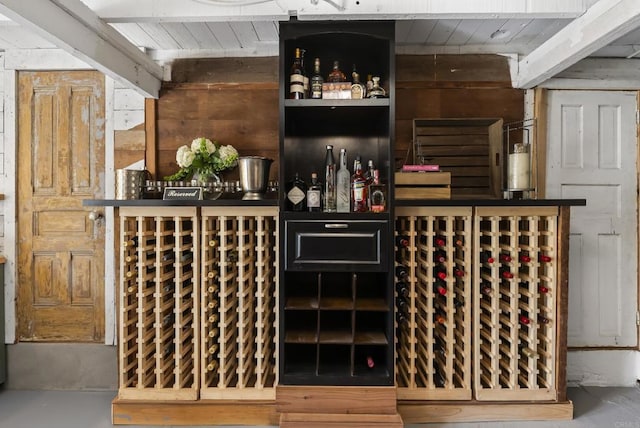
(344, 183)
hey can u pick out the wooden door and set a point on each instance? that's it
(60, 293)
(592, 154)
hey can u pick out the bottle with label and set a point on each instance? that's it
(296, 194)
(314, 194)
(336, 74)
(330, 195)
(316, 80)
(296, 78)
(359, 189)
(357, 88)
(377, 194)
(305, 78)
(343, 184)
(377, 91)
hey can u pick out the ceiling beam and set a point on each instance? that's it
(598, 73)
(603, 23)
(281, 10)
(74, 28)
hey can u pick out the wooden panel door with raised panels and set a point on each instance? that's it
(61, 248)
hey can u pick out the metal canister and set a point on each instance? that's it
(129, 183)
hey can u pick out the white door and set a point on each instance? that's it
(592, 154)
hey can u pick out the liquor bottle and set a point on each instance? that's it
(296, 78)
(330, 200)
(357, 89)
(505, 273)
(440, 272)
(486, 257)
(402, 273)
(440, 256)
(524, 258)
(296, 194)
(305, 80)
(376, 90)
(359, 189)
(368, 174)
(544, 258)
(401, 318)
(377, 194)
(316, 80)
(343, 178)
(336, 74)
(370, 362)
(402, 305)
(402, 241)
(368, 85)
(314, 194)
(505, 258)
(440, 288)
(403, 289)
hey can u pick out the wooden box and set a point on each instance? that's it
(423, 185)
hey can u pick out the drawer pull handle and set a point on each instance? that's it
(336, 226)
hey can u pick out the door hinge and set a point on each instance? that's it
(637, 317)
(637, 117)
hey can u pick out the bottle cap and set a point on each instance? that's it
(329, 146)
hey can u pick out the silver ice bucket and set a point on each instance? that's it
(254, 176)
(129, 183)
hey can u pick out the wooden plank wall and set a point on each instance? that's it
(235, 101)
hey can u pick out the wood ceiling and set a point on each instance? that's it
(131, 40)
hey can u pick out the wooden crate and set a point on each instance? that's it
(159, 305)
(515, 321)
(433, 337)
(239, 302)
(422, 185)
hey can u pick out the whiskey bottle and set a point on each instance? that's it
(336, 74)
(316, 80)
(296, 77)
(359, 189)
(296, 194)
(343, 184)
(330, 181)
(357, 88)
(314, 194)
(377, 194)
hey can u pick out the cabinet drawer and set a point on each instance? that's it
(352, 245)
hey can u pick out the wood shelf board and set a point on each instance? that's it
(336, 336)
(473, 411)
(301, 336)
(336, 303)
(301, 303)
(370, 338)
(202, 412)
(336, 399)
(372, 304)
(325, 420)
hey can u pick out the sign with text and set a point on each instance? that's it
(182, 194)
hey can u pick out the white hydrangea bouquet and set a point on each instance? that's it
(203, 158)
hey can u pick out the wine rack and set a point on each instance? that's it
(239, 301)
(516, 304)
(159, 304)
(433, 325)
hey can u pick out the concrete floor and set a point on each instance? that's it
(593, 408)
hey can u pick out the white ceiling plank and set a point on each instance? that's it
(266, 31)
(21, 38)
(420, 31)
(465, 29)
(245, 33)
(509, 31)
(604, 22)
(159, 35)
(225, 35)
(181, 34)
(74, 28)
(598, 73)
(136, 35)
(442, 31)
(204, 36)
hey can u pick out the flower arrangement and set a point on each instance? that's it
(204, 157)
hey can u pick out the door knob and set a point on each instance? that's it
(95, 215)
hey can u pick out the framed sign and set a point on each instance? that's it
(182, 194)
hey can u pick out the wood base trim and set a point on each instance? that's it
(412, 412)
(333, 420)
(336, 399)
(202, 412)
